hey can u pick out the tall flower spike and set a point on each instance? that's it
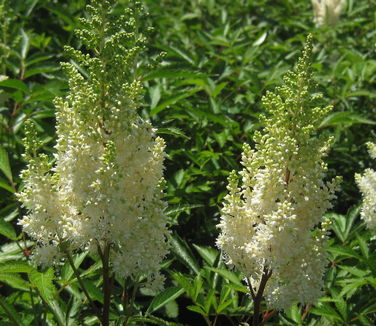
(367, 186)
(105, 187)
(273, 220)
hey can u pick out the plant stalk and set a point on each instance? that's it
(257, 298)
(105, 256)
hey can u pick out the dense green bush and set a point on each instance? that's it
(207, 65)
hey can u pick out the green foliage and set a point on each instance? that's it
(203, 93)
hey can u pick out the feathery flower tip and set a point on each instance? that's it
(282, 196)
(105, 185)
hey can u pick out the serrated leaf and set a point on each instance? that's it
(43, 281)
(181, 249)
(163, 298)
(362, 245)
(344, 251)
(340, 304)
(15, 281)
(15, 267)
(338, 225)
(351, 216)
(349, 289)
(353, 270)
(324, 309)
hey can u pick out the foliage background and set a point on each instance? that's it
(204, 97)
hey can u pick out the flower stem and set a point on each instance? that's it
(107, 280)
(257, 298)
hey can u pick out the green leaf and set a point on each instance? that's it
(172, 73)
(260, 39)
(227, 275)
(181, 53)
(155, 96)
(223, 305)
(351, 216)
(44, 283)
(10, 311)
(93, 290)
(7, 230)
(39, 70)
(15, 281)
(38, 57)
(139, 320)
(67, 271)
(4, 164)
(163, 298)
(348, 118)
(181, 249)
(349, 289)
(184, 282)
(338, 225)
(324, 309)
(16, 84)
(353, 270)
(340, 304)
(362, 245)
(15, 267)
(11, 251)
(4, 185)
(25, 44)
(197, 309)
(365, 321)
(209, 254)
(172, 131)
(173, 100)
(344, 251)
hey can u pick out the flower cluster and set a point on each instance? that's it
(367, 185)
(104, 187)
(273, 220)
(327, 12)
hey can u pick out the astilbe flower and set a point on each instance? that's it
(367, 186)
(327, 12)
(272, 223)
(104, 189)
